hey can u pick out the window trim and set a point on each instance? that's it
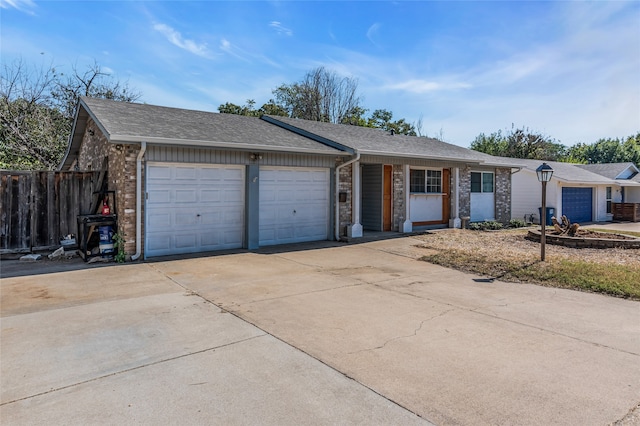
(425, 184)
(482, 191)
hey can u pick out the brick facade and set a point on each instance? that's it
(398, 197)
(464, 188)
(345, 185)
(121, 172)
(503, 195)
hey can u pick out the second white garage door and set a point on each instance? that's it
(193, 208)
(294, 205)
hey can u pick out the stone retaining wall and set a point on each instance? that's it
(583, 242)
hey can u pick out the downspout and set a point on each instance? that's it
(143, 148)
(337, 194)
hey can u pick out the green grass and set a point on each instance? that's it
(615, 280)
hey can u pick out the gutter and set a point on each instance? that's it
(336, 195)
(143, 148)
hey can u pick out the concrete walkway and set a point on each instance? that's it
(372, 336)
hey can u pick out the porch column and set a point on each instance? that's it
(355, 230)
(407, 226)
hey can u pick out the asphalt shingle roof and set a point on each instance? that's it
(133, 122)
(568, 172)
(610, 170)
(380, 142)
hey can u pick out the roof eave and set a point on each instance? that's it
(127, 139)
(83, 113)
(328, 142)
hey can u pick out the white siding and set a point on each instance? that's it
(632, 194)
(526, 195)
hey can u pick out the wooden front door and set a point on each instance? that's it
(387, 198)
(446, 197)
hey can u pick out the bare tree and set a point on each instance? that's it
(37, 107)
(321, 95)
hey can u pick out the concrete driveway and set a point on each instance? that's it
(347, 334)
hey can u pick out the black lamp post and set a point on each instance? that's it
(544, 173)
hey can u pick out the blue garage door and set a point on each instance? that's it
(577, 204)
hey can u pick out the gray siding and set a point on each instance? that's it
(175, 154)
(372, 197)
(376, 159)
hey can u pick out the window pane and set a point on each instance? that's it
(476, 185)
(487, 182)
(608, 206)
(608, 192)
(434, 181)
(417, 183)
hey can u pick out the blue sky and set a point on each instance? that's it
(570, 70)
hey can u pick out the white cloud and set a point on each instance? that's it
(423, 86)
(176, 39)
(21, 5)
(372, 31)
(227, 47)
(280, 29)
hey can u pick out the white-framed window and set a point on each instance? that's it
(425, 181)
(482, 182)
(609, 199)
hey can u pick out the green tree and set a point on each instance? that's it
(37, 108)
(382, 119)
(494, 144)
(270, 108)
(607, 151)
(520, 143)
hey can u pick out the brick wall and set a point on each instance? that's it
(464, 188)
(503, 195)
(398, 197)
(121, 168)
(345, 207)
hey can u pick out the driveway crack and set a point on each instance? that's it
(117, 373)
(415, 333)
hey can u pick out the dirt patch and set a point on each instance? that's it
(585, 233)
(512, 245)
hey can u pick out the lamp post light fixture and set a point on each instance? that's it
(544, 173)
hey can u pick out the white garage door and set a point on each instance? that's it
(193, 208)
(294, 205)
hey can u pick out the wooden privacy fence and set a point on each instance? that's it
(37, 209)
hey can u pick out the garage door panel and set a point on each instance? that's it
(294, 205)
(185, 173)
(577, 204)
(186, 240)
(159, 196)
(185, 196)
(159, 173)
(200, 208)
(211, 195)
(233, 196)
(158, 220)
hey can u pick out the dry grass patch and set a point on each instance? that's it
(508, 256)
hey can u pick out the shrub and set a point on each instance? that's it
(517, 223)
(488, 225)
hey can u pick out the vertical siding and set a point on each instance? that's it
(173, 154)
(372, 197)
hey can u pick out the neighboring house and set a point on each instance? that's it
(575, 191)
(626, 175)
(191, 181)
